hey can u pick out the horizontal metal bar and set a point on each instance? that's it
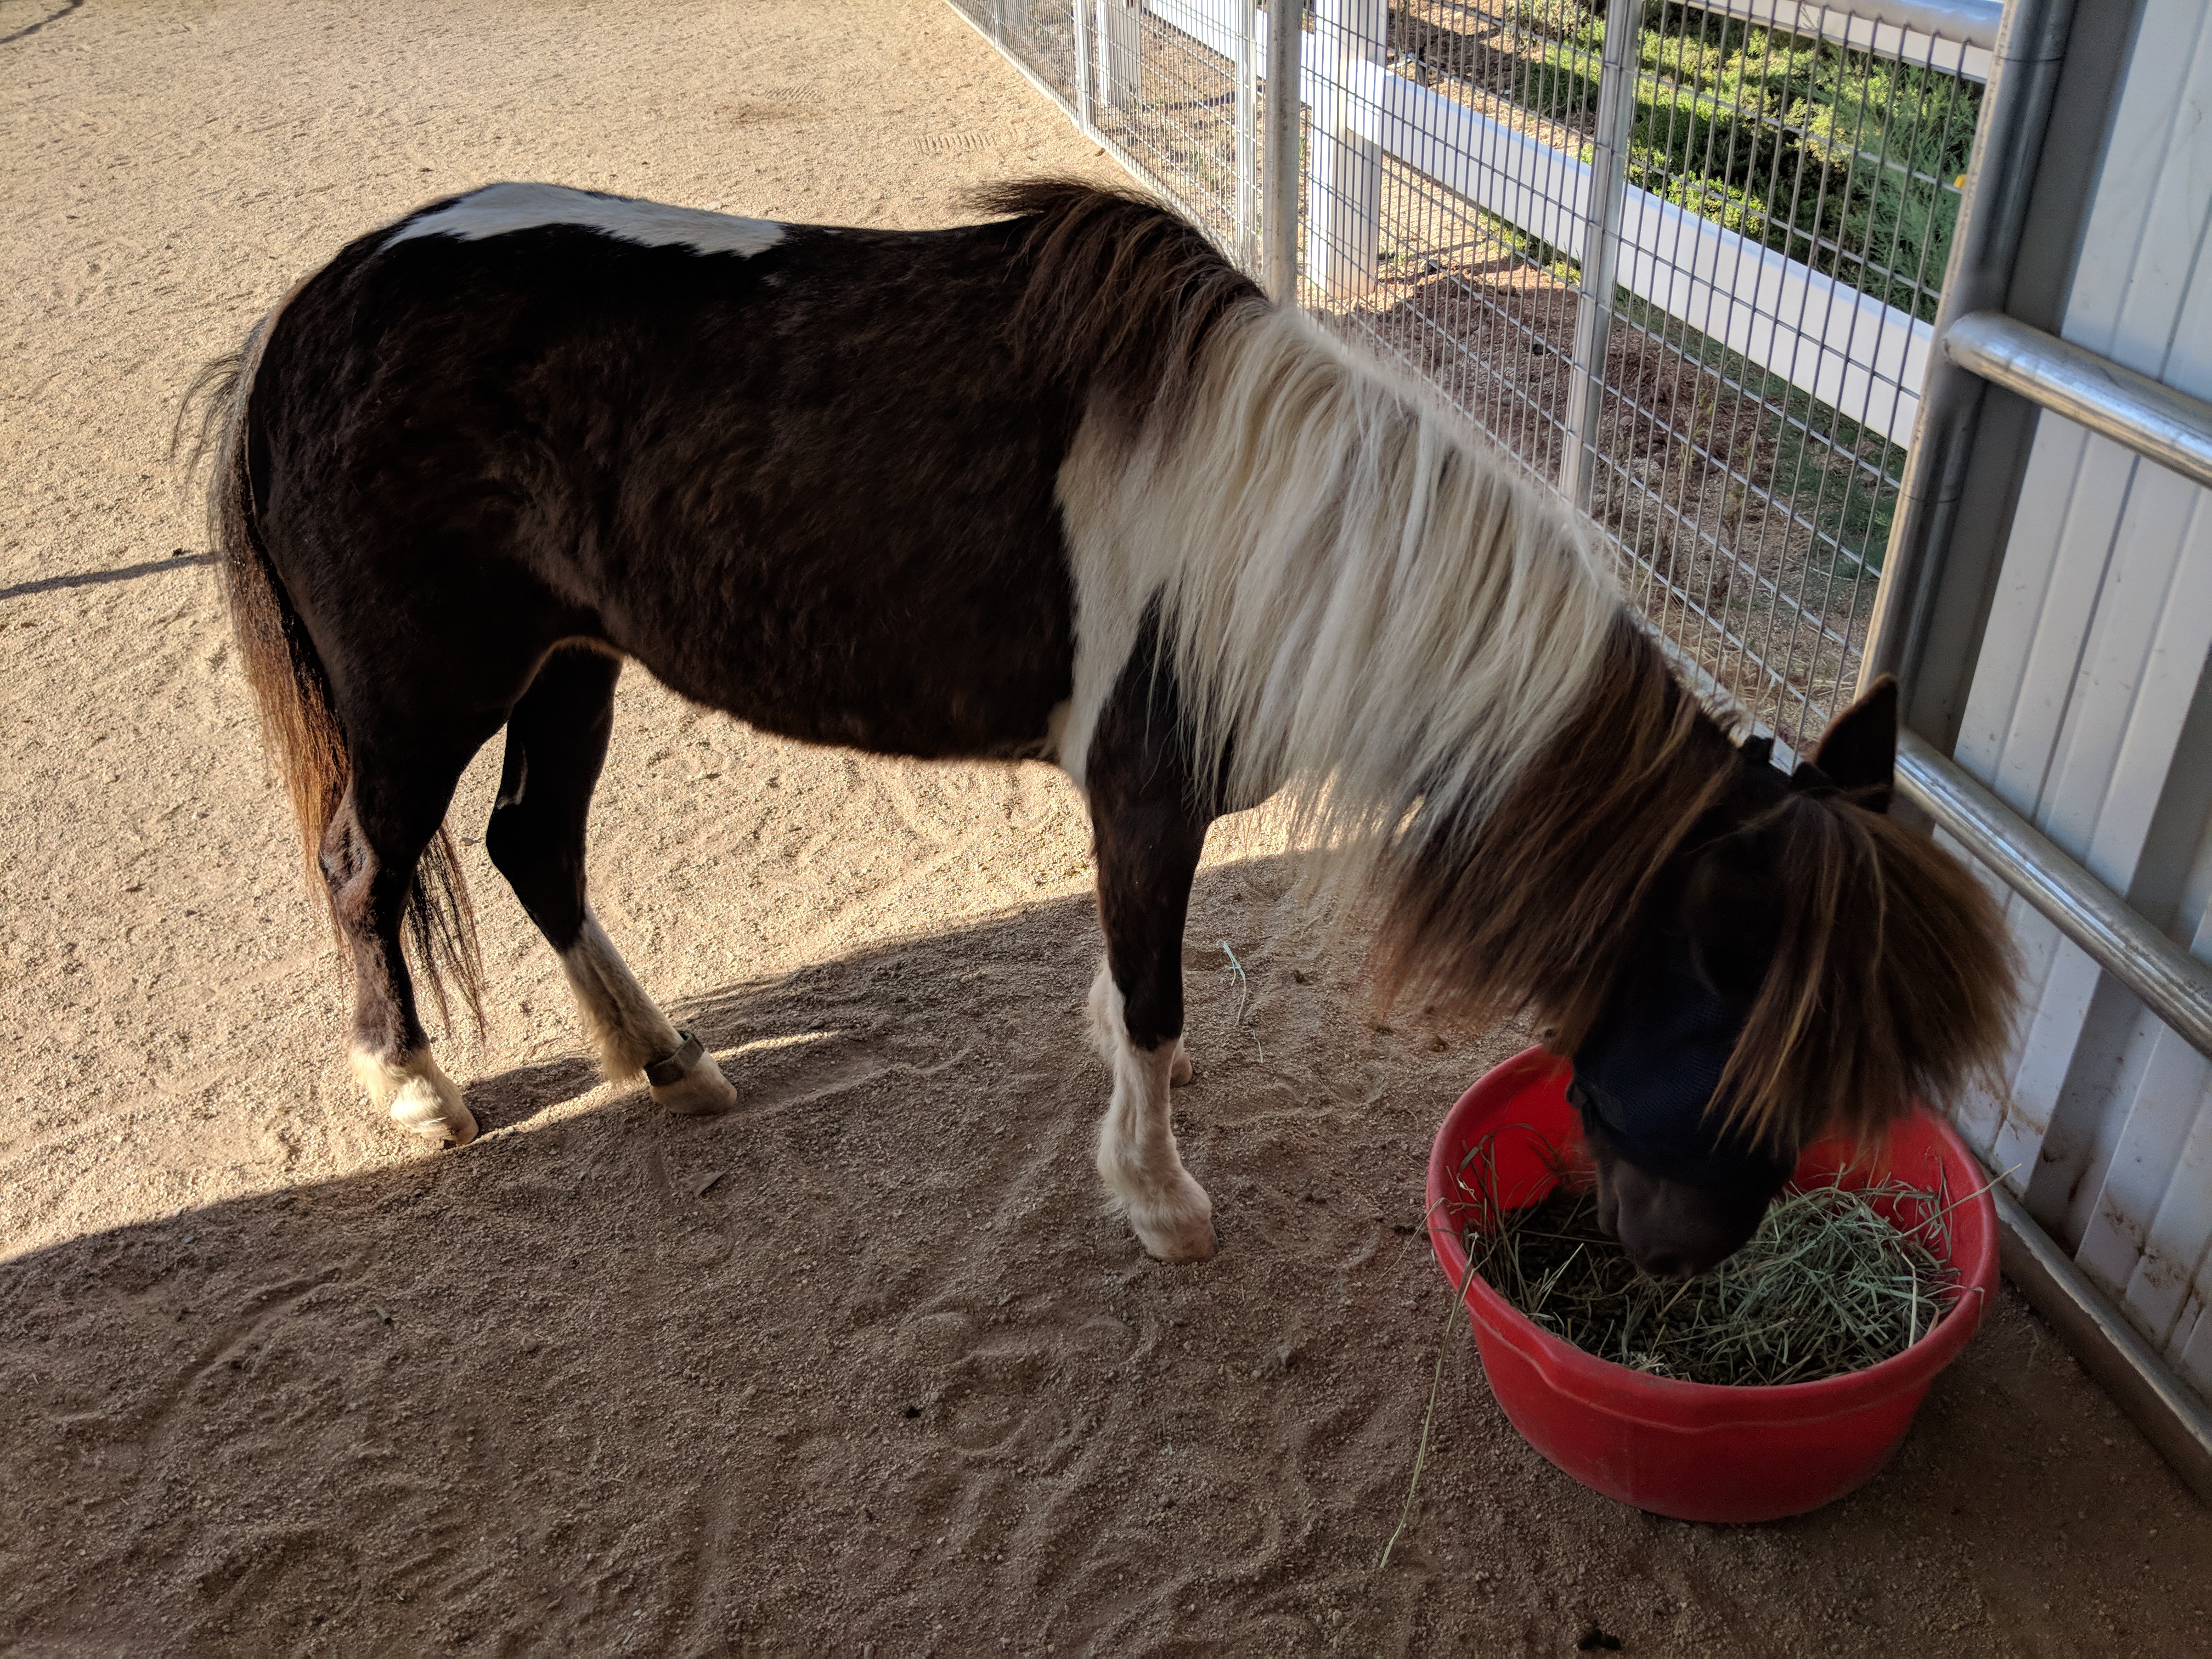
(2157, 422)
(2110, 1349)
(2173, 984)
(1974, 21)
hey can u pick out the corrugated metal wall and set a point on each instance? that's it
(2091, 712)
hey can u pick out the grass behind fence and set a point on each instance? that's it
(1843, 161)
(1830, 473)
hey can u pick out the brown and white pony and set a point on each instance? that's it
(1061, 485)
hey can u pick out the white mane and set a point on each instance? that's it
(1369, 607)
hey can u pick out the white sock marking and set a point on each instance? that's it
(418, 1094)
(628, 1030)
(624, 1024)
(1137, 1158)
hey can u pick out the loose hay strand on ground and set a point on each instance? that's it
(1828, 1285)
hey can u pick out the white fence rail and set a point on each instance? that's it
(1847, 349)
(1953, 39)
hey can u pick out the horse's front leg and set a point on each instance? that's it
(1149, 837)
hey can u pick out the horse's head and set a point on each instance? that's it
(1739, 961)
(1806, 965)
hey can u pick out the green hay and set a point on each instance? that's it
(1826, 1287)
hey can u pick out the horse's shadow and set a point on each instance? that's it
(471, 1314)
(772, 1034)
(513, 1098)
(624, 1378)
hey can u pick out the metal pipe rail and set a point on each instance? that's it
(1616, 126)
(1962, 22)
(1282, 174)
(1972, 20)
(2161, 425)
(1978, 346)
(2172, 983)
(2029, 53)
(2157, 422)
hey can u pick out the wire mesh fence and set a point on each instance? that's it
(1188, 113)
(1172, 90)
(1679, 260)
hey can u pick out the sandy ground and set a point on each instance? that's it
(863, 1368)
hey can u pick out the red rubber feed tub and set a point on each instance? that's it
(1695, 1450)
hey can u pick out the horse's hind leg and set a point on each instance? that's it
(556, 740)
(392, 808)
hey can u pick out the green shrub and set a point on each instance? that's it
(1557, 20)
(1843, 161)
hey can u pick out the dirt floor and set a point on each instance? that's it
(863, 1368)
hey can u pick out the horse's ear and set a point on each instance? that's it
(1858, 751)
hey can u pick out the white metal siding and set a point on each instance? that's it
(2091, 712)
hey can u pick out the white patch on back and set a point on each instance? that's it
(498, 209)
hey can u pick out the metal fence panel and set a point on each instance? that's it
(1173, 89)
(1682, 263)
(2090, 712)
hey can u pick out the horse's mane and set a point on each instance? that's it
(1894, 979)
(1121, 298)
(1891, 978)
(1370, 609)
(1363, 606)
(1531, 906)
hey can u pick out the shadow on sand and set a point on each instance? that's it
(864, 1365)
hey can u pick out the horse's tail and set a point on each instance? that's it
(299, 728)
(302, 736)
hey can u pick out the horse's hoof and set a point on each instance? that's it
(1193, 1241)
(421, 1098)
(1180, 1228)
(1179, 1072)
(702, 1091)
(421, 1109)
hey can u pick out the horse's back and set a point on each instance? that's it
(792, 469)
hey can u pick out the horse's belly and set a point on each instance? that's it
(928, 674)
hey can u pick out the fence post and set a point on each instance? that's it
(1344, 217)
(1121, 59)
(1248, 136)
(999, 24)
(1993, 217)
(1085, 115)
(1609, 190)
(1282, 172)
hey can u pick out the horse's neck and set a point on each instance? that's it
(1368, 597)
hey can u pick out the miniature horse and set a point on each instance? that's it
(1061, 485)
